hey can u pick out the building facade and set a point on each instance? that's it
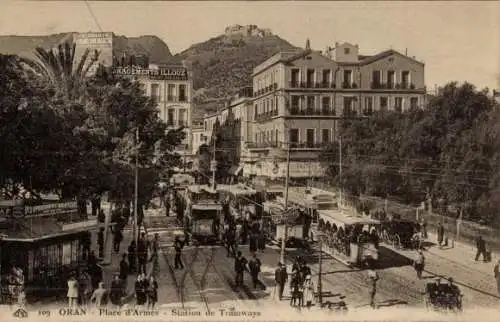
(95, 41)
(299, 98)
(171, 88)
(234, 129)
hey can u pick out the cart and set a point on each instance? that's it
(442, 297)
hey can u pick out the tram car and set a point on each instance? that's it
(400, 233)
(441, 296)
(351, 236)
(203, 215)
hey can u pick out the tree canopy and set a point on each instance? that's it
(65, 131)
(448, 152)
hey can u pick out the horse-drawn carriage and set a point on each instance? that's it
(441, 296)
(400, 233)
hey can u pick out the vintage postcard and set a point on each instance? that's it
(261, 161)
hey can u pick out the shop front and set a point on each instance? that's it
(43, 246)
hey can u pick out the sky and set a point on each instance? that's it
(457, 41)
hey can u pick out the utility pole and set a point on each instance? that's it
(214, 162)
(285, 227)
(136, 188)
(340, 172)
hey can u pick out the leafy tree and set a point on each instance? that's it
(448, 151)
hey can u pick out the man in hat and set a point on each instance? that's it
(178, 250)
(124, 271)
(254, 266)
(240, 265)
(280, 277)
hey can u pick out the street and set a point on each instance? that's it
(208, 277)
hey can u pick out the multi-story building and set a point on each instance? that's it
(171, 88)
(198, 135)
(234, 122)
(300, 96)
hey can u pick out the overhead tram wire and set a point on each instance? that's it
(89, 8)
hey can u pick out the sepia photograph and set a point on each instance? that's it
(250, 160)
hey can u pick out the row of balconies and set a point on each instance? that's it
(281, 145)
(295, 110)
(378, 85)
(345, 85)
(324, 111)
(324, 84)
(266, 115)
(266, 89)
(170, 98)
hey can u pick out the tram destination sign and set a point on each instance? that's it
(161, 73)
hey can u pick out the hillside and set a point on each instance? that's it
(153, 46)
(225, 63)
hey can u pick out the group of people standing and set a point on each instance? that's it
(301, 284)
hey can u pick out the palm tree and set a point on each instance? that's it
(59, 68)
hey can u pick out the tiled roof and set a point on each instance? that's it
(386, 53)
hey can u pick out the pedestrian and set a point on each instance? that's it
(424, 228)
(152, 292)
(85, 288)
(99, 296)
(419, 264)
(117, 238)
(297, 295)
(240, 265)
(253, 242)
(86, 245)
(229, 240)
(142, 253)
(72, 291)
(496, 272)
(140, 290)
(178, 251)
(481, 248)
(280, 277)
(373, 279)
(124, 271)
(132, 257)
(308, 291)
(440, 234)
(100, 242)
(154, 254)
(254, 266)
(116, 292)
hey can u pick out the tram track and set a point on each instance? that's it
(200, 285)
(222, 280)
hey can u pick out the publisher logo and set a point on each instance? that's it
(20, 313)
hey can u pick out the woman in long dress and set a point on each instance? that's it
(72, 291)
(308, 291)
